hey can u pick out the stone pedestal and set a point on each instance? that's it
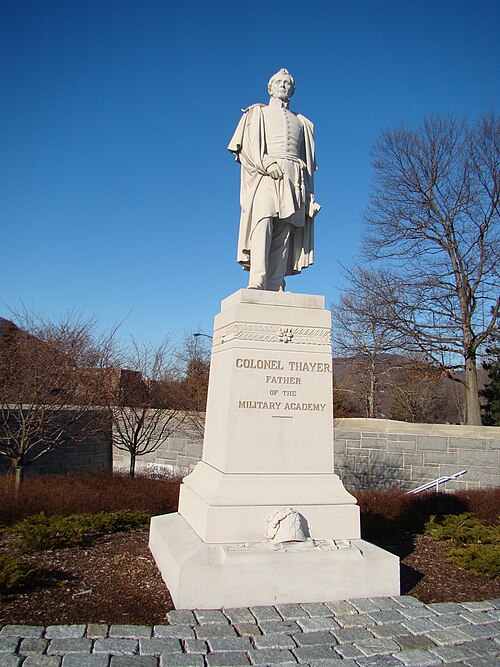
(263, 518)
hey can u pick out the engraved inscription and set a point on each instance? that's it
(278, 385)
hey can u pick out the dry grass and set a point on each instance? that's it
(77, 494)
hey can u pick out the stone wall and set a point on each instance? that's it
(380, 453)
(177, 455)
(372, 453)
(88, 455)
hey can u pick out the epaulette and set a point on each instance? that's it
(252, 106)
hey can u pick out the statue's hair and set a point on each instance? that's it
(281, 71)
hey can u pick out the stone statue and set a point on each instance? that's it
(275, 148)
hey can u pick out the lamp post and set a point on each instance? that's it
(199, 333)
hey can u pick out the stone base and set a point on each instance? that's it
(228, 508)
(208, 576)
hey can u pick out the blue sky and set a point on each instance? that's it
(118, 196)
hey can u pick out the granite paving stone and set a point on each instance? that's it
(455, 635)
(261, 613)
(489, 661)
(484, 647)
(496, 627)
(349, 635)
(364, 604)
(353, 620)
(96, 630)
(478, 606)
(407, 601)
(174, 631)
(314, 652)
(418, 658)
(116, 646)
(181, 617)
(230, 644)
(418, 612)
(391, 616)
(384, 604)
(33, 645)
(130, 631)
(69, 645)
(195, 646)
(477, 617)
(451, 653)
(449, 620)
(133, 661)
(276, 627)
(378, 661)
(376, 646)
(9, 644)
(79, 660)
(389, 630)
(478, 631)
(494, 602)
(158, 645)
(419, 626)
(239, 615)
(22, 631)
(207, 616)
(348, 651)
(314, 609)
(270, 656)
(449, 636)
(341, 607)
(234, 658)
(445, 607)
(10, 660)
(214, 631)
(311, 638)
(34, 660)
(290, 611)
(247, 629)
(410, 642)
(317, 623)
(65, 631)
(182, 660)
(274, 641)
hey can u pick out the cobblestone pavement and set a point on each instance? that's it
(385, 632)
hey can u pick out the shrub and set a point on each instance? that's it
(39, 531)
(477, 544)
(481, 558)
(15, 574)
(393, 509)
(462, 529)
(78, 494)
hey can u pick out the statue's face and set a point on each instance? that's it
(282, 87)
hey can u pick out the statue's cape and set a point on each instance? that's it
(249, 146)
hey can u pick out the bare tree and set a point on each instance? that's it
(434, 219)
(193, 359)
(417, 394)
(142, 399)
(361, 332)
(43, 400)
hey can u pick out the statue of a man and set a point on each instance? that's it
(275, 147)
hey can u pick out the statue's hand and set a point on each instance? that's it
(275, 171)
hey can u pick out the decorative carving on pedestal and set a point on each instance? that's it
(269, 333)
(286, 525)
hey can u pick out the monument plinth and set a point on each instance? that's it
(263, 519)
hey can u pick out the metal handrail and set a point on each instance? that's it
(436, 482)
